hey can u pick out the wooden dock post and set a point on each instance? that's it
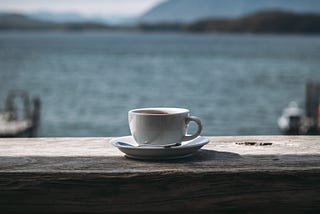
(312, 104)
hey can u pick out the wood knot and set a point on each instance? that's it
(254, 143)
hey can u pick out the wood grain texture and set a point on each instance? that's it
(228, 174)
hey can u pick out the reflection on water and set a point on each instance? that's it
(237, 84)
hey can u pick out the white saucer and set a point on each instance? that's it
(129, 146)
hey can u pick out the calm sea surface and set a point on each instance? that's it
(237, 84)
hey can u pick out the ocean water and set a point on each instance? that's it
(236, 84)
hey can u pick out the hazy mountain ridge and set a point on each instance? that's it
(182, 11)
(23, 22)
(14, 21)
(262, 22)
(268, 22)
(187, 11)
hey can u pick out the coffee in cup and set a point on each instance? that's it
(161, 126)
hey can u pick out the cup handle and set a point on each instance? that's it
(198, 122)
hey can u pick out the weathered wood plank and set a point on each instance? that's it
(159, 192)
(97, 155)
(90, 175)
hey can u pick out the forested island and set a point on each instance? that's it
(260, 22)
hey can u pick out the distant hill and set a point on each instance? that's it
(261, 22)
(14, 21)
(186, 11)
(73, 17)
(23, 22)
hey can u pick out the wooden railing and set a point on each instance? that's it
(257, 173)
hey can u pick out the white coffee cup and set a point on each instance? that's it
(161, 126)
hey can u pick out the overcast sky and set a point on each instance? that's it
(86, 7)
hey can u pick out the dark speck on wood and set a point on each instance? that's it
(254, 143)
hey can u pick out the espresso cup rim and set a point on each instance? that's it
(168, 110)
